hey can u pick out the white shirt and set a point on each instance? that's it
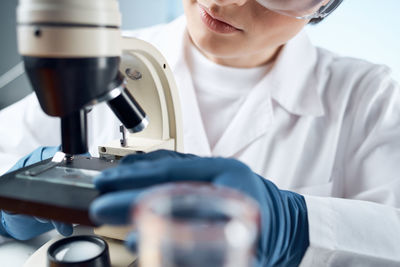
(220, 91)
(327, 127)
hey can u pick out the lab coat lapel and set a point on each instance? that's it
(195, 138)
(291, 83)
(293, 78)
(251, 122)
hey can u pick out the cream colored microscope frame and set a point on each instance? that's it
(151, 82)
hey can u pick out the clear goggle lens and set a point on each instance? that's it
(301, 9)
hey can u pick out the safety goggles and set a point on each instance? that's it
(302, 9)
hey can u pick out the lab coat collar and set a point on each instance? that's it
(293, 78)
(291, 83)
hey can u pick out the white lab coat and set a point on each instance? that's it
(322, 125)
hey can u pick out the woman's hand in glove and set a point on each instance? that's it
(284, 225)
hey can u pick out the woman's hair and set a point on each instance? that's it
(334, 6)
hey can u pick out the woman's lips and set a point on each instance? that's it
(215, 24)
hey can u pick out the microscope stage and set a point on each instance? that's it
(61, 192)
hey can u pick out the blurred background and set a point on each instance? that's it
(367, 29)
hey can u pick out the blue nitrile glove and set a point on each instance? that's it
(284, 224)
(24, 227)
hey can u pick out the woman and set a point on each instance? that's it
(254, 88)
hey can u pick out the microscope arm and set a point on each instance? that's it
(150, 80)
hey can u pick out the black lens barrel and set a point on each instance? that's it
(74, 133)
(128, 111)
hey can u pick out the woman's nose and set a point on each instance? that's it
(230, 2)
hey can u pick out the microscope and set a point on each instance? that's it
(75, 57)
